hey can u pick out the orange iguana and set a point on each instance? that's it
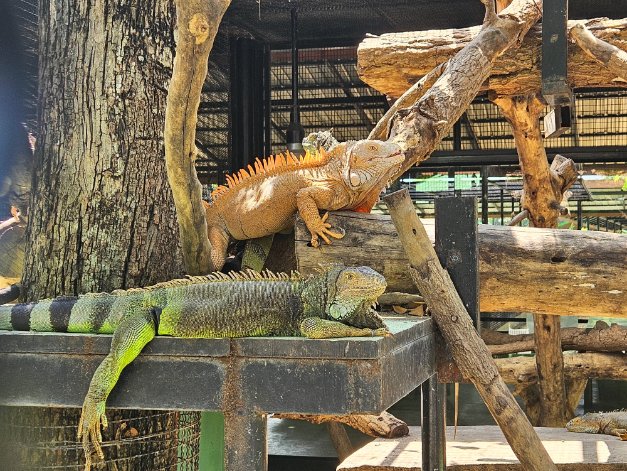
(264, 200)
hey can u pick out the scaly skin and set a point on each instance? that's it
(334, 303)
(609, 423)
(263, 200)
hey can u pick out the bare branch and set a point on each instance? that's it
(197, 24)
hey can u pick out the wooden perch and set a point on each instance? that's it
(543, 191)
(197, 24)
(543, 186)
(420, 128)
(384, 425)
(577, 273)
(393, 62)
(598, 339)
(610, 56)
(579, 365)
(455, 325)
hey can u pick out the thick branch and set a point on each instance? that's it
(383, 425)
(543, 186)
(455, 325)
(598, 339)
(577, 365)
(197, 24)
(420, 128)
(543, 190)
(391, 63)
(610, 56)
(411, 96)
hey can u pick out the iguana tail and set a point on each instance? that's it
(87, 314)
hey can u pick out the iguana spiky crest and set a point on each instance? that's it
(270, 166)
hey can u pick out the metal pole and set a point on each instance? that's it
(502, 203)
(579, 215)
(295, 132)
(267, 99)
(295, 111)
(484, 195)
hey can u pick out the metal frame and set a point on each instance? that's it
(243, 378)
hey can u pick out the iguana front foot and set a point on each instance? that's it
(322, 229)
(92, 416)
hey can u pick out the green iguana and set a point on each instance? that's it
(609, 423)
(264, 199)
(337, 302)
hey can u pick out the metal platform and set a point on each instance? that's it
(243, 378)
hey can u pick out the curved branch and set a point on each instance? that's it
(607, 54)
(197, 25)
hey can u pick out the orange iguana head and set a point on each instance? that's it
(369, 166)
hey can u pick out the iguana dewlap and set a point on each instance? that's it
(264, 200)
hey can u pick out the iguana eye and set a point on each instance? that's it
(372, 147)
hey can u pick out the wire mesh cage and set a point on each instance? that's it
(133, 441)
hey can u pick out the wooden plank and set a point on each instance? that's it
(483, 448)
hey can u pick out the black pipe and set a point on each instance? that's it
(484, 195)
(295, 112)
(295, 132)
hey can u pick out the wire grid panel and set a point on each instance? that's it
(331, 95)
(133, 441)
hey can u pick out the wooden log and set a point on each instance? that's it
(578, 365)
(384, 425)
(522, 371)
(420, 128)
(543, 190)
(393, 62)
(608, 339)
(610, 56)
(455, 325)
(561, 272)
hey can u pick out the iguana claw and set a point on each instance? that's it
(92, 417)
(323, 230)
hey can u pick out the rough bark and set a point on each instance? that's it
(197, 25)
(543, 191)
(384, 425)
(420, 128)
(393, 62)
(560, 272)
(101, 215)
(543, 186)
(598, 339)
(610, 56)
(455, 325)
(522, 370)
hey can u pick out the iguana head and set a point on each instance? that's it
(368, 167)
(586, 423)
(352, 293)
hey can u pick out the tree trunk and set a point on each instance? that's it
(560, 272)
(393, 62)
(102, 215)
(543, 190)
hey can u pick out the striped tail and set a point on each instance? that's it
(48, 315)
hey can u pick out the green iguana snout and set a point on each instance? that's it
(355, 293)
